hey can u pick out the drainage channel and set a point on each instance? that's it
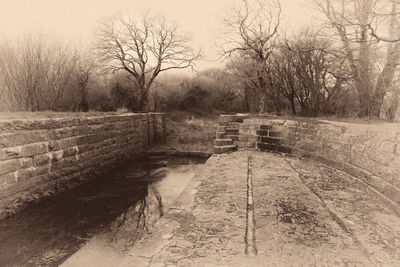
(250, 238)
(47, 233)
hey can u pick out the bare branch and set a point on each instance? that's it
(143, 47)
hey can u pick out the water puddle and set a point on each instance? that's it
(115, 209)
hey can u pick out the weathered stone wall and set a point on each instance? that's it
(370, 153)
(39, 157)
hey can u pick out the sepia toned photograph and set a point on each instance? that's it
(165, 133)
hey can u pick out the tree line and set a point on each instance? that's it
(348, 62)
(345, 65)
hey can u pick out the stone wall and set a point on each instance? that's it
(40, 157)
(370, 153)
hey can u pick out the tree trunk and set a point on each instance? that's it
(292, 106)
(84, 105)
(364, 102)
(261, 104)
(385, 79)
(278, 108)
(364, 83)
(143, 101)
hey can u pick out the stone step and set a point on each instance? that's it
(265, 127)
(156, 164)
(220, 135)
(262, 132)
(223, 142)
(234, 137)
(221, 128)
(232, 130)
(224, 149)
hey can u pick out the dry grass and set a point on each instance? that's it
(189, 133)
(50, 114)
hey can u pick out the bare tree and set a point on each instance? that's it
(284, 72)
(251, 32)
(86, 70)
(37, 74)
(143, 47)
(356, 23)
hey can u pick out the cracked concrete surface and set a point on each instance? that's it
(305, 214)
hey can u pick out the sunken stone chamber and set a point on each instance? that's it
(41, 157)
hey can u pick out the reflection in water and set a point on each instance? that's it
(124, 205)
(137, 220)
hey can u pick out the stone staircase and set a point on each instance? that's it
(226, 138)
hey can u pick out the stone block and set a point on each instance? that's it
(274, 134)
(4, 214)
(233, 137)
(34, 149)
(382, 157)
(63, 133)
(290, 123)
(330, 162)
(270, 140)
(360, 160)
(335, 145)
(10, 153)
(56, 156)
(86, 156)
(292, 136)
(70, 170)
(290, 130)
(289, 142)
(358, 148)
(10, 178)
(223, 142)
(56, 165)
(69, 152)
(266, 147)
(3, 180)
(283, 149)
(7, 166)
(244, 131)
(278, 122)
(232, 131)
(25, 174)
(266, 127)
(224, 149)
(297, 152)
(25, 162)
(342, 156)
(63, 143)
(221, 128)
(389, 147)
(22, 138)
(393, 193)
(262, 132)
(70, 161)
(243, 138)
(87, 171)
(42, 159)
(306, 131)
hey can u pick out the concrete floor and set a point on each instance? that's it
(305, 214)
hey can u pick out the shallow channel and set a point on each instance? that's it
(120, 206)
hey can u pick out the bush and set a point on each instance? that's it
(100, 100)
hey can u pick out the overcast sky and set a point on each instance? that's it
(75, 20)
